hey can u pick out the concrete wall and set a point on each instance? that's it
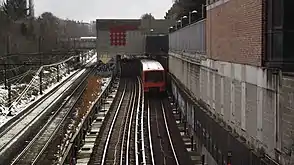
(134, 38)
(286, 118)
(136, 31)
(208, 158)
(134, 44)
(243, 96)
(188, 109)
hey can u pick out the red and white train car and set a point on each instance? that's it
(153, 76)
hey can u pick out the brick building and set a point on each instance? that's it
(242, 79)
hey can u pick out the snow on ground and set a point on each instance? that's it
(29, 93)
(105, 82)
(3, 98)
(92, 59)
(38, 111)
(29, 97)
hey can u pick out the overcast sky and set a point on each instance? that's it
(88, 10)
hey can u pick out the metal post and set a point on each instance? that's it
(5, 75)
(104, 105)
(82, 58)
(39, 49)
(9, 96)
(57, 42)
(76, 149)
(177, 102)
(203, 159)
(68, 69)
(190, 18)
(39, 45)
(229, 161)
(5, 67)
(185, 126)
(41, 75)
(181, 22)
(68, 44)
(57, 67)
(192, 143)
(74, 44)
(8, 45)
(203, 10)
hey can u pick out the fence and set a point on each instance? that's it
(183, 40)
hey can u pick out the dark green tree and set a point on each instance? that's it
(49, 31)
(183, 7)
(147, 16)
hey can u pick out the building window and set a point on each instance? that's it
(277, 13)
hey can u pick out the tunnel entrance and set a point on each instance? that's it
(130, 68)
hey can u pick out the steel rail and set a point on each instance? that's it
(142, 126)
(128, 132)
(168, 134)
(39, 102)
(136, 129)
(149, 133)
(111, 128)
(34, 118)
(50, 121)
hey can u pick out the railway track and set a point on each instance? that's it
(130, 139)
(112, 150)
(140, 151)
(122, 139)
(148, 139)
(31, 154)
(124, 134)
(18, 134)
(106, 130)
(162, 145)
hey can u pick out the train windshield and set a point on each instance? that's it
(153, 76)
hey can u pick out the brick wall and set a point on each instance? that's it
(234, 31)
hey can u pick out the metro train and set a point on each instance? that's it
(153, 76)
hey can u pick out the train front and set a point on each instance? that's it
(154, 81)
